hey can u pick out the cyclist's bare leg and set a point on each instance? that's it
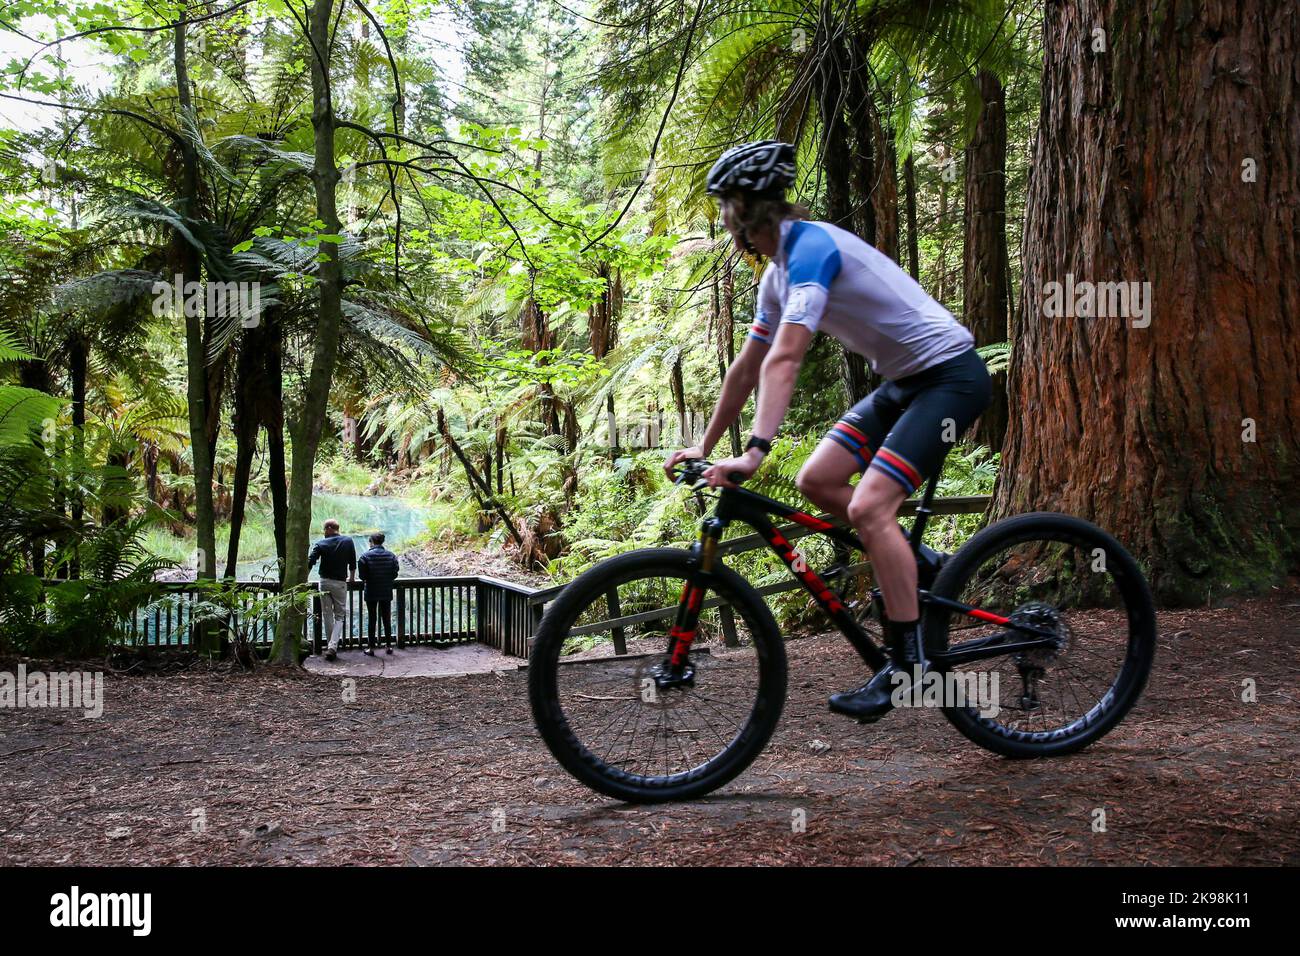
(873, 512)
(824, 478)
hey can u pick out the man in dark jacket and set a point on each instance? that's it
(338, 565)
(377, 569)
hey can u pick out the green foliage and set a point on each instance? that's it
(85, 616)
(235, 615)
(996, 356)
(345, 476)
(629, 504)
(513, 268)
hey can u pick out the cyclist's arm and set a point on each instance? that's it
(737, 385)
(777, 376)
(813, 262)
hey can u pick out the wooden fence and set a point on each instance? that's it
(444, 610)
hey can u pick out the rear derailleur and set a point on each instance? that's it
(1045, 621)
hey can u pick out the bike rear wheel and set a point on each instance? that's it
(1078, 583)
(604, 716)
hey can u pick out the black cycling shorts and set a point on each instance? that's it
(905, 428)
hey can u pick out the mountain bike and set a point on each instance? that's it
(1046, 607)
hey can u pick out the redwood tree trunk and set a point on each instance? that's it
(1142, 172)
(986, 268)
(884, 197)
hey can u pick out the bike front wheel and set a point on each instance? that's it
(593, 688)
(1071, 580)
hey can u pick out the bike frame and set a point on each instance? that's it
(756, 511)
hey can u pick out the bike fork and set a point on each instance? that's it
(678, 669)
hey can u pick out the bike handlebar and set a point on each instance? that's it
(694, 468)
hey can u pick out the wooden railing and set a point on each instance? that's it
(447, 610)
(459, 610)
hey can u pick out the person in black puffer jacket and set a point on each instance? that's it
(377, 569)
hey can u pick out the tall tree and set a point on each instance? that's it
(200, 395)
(1166, 155)
(913, 242)
(310, 421)
(986, 270)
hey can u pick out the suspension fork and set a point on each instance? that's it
(688, 608)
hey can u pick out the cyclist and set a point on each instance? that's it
(822, 277)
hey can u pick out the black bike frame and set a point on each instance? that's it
(750, 508)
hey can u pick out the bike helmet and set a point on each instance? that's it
(765, 167)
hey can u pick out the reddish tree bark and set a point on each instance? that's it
(986, 267)
(1141, 173)
(884, 194)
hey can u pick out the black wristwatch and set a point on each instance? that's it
(762, 444)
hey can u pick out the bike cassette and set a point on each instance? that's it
(1046, 621)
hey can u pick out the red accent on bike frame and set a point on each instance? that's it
(683, 637)
(825, 595)
(986, 616)
(683, 645)
(808, 521)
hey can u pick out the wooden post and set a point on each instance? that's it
(480, 612)
(729, 636)
(401, 617)
(315, 624)
(533, 614)
(349, 616)
(615, 612)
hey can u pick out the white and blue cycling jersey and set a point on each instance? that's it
(828, 279)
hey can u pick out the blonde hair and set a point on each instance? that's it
(330, 524)
(753, 212)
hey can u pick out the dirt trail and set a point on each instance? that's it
(209, 767)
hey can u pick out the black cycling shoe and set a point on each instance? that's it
(869, 702)
(874, 699)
